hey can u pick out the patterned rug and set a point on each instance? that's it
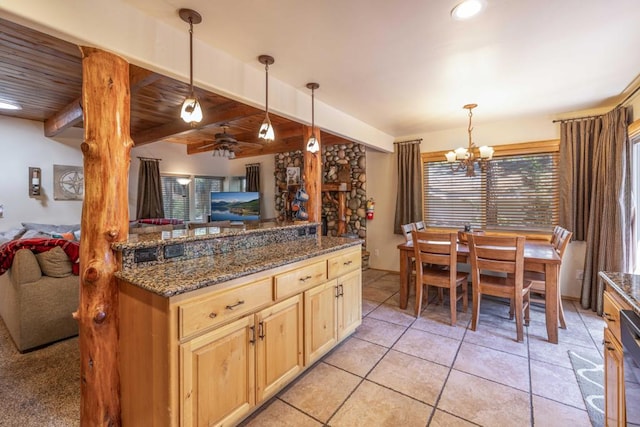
(590, 376)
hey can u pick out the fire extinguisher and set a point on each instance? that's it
(370, 207)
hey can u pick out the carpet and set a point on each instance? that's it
(590, 376)
(41, 387)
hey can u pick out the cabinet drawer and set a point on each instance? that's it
(339, 265)
(220, 308)
(611, 313)
(296, 281)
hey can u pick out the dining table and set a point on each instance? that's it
(539, 256)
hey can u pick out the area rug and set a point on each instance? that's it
(590, 376)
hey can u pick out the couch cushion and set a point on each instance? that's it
(25, 268)
(55, 263)
(50, 228)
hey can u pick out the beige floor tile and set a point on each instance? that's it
(356, 356)
(442, 419)
(498, 339)
(392, 314)
(279, 414)
(441, 326)
(415, 377)
(389, 282)
(544, 351)
(428, 346)
(370, 275)
(548, 413)
(373, 405)
(321, 391)
(494, 365)
(485, 402)
(376, 294)
(576, 333)
(556, 383)
(379, 332)
(368, 306)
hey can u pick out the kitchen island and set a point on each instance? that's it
(211, 326)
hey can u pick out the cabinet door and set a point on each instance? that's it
(320, 320)
(218, 375)
(614, 381)
(279, 346)
(349, 303)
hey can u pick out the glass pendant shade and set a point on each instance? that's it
(191, 110)
(266, 130)
(312, 144)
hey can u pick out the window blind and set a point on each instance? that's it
(204, 185)
(175, 197)
(518, 192)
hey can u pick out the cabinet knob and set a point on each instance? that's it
(212, 315)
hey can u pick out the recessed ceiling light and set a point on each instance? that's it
(8, 105)
(467, 9)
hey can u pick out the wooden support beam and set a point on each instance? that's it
(313, 176)
(105, 218)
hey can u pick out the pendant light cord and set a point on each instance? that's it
(313, 113)
(191, 54)
(266, 68)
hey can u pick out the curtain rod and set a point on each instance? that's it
(411, 141)
(252, 164)
(149, 158)
(633, 92)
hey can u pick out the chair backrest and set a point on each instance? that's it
(497, 254)
(557, 231)
(435, 248)
(406, 230)
(562, 241)
(194, 225)
(419, 226)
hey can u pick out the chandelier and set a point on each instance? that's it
(466, 158)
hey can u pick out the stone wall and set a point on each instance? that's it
(341, 163)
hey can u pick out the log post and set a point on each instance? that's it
(313, 175)
(105, 215)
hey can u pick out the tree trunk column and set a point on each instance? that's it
(313, 175)
(105, 217)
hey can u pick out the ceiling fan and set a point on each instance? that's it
(226, 145)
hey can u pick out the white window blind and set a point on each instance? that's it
(175, 197)
(518, 192)
(204, 185)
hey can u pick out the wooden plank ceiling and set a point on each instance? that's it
(44, 75)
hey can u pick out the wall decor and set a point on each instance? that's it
(68, 182)
(293, 175)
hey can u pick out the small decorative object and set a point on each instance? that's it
(293, 175)
(68, 182)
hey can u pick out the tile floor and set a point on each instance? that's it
(396, 370)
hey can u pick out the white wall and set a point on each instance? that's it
(23, 145)
(381, 185)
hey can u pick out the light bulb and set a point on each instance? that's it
(312, 145)
(191, 111)
(266, 130)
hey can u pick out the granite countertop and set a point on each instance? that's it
(174, 278)
(626, 285)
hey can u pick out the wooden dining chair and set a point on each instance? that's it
(504, 256)
(406, 231)
(538, 279)
(419, 226)
(436, 258)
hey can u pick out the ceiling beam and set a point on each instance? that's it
(71, 114)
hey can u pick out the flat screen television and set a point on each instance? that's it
(235, 206)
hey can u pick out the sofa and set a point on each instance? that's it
(39, 290)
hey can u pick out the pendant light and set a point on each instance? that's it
(266, 129)
(191, 109)
(312, 143)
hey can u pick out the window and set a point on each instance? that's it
(238, 183)
(175, 197)
(518, 191)
(204, 185)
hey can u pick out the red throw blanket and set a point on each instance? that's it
(38, 245)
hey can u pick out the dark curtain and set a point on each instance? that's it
(253, 177)
(409, 188)
(149, 204)
(595, 195)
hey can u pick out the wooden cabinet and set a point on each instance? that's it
(614, 380)
(218, 374)
(279, 340)
(613, 363)
(211, 356)
(333, 310)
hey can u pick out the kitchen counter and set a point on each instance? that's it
(627, 286)
(174, 278)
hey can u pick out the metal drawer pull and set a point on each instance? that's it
(347, 263)
(608, 317)
(304, 279)
(231, 307)
(261, 330)
(252, 340)
(212, 315)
